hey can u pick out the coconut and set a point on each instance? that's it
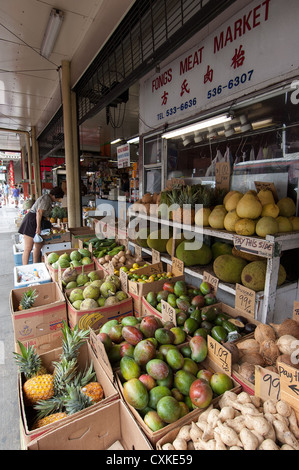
(248, 346)
(286, 344)
(247, 371)
(287, 327)
(254, 359)
(269, 352)
(264, 332)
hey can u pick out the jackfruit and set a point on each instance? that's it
(158, 240)
(228, 268)
(221, 248)
(180, 238)
(254, 275)
(193, 253)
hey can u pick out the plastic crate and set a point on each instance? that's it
(31, 274)
(49, 248)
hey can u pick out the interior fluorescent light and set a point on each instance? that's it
(115, 141)
(51, 33)
(197, 126)
(134, 140)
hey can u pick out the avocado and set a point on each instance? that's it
(219, 333)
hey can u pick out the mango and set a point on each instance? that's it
(175, 359)
(144, 351)
(163, 348)
(184, 409)
(148, 325)
(114, 353)
(164, 336)
(199, 349)
(129, 368)
(168, 409)
(168, 381)
(115, 333)
(220, 383)
(135, 393)
(106, 327)
(126, 349)
(156, 393)
(157, 368)
(148, 381)
(132, 335)
(130, 320)
(190, 366)
(191, 325)
(153, 421)
(106, 340)
(183, 380)
(180, 288)
(179, 335)
(201, 393)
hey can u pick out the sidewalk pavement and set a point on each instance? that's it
(9, 407)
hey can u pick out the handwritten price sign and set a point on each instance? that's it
(168, 312)
(214, 281)
(222, 175)
(177, 267)
(156, 257)
(245, 300)
(267, 384)
(296, 311)
(220, 355)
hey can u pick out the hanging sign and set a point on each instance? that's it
(239, 57)
(123, 156)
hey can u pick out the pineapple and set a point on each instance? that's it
(49, 420)
(28, 299)
(40, 387)
(93, 390)
(28, 361)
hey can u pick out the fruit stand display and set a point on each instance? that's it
(257, 238)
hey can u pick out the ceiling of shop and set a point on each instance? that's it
(30, 84)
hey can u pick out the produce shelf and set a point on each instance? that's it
(281, 242)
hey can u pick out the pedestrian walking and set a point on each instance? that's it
(16, 195)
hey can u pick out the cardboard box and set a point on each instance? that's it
(80, 232)
(56, 247)
(95, 318)
(54, 272)
(45, 343)
(155, 436)
(138, 290)
(99, 430)
(31, 274)
(45, 317)
(62, 237)
(86, 355)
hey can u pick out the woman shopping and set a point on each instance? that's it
(35, 221)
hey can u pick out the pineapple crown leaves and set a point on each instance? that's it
(28, 299)
(83, 378)
(65, 372)
(72, 341)
(47, 407)
(75, 400)
(28, 360)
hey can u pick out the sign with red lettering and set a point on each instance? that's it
(224, 65)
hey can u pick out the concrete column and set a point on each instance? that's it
(68, 142)
(36, 164)
(29, 165)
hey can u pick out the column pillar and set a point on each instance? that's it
(36, 164)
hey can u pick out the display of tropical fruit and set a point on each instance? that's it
(194, 252)
(66, 390)
(157, 368)
(120, 259)
(251, 213)
(76, 258)
(97, 293)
